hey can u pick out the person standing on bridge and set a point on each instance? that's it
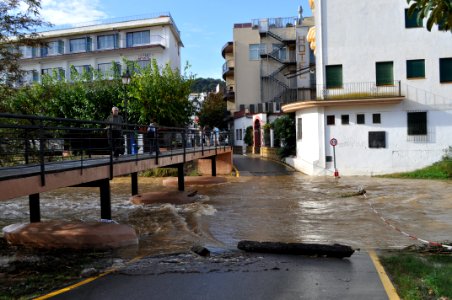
(152, 136)
(115, 138)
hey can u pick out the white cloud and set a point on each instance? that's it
(71, 12)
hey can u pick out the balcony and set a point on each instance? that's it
(359, 90)
(229, 94)
(228, 68)
(227, 48)
(349, 94)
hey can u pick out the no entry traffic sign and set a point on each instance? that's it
(333, 142)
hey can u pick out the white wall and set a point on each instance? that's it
(357, 34)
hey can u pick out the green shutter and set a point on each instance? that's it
(415, 68)
(445, 69)
(333, 76)
(384, 73)
(412, 21)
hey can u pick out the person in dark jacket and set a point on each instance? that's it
(115, 137)
(152, 137)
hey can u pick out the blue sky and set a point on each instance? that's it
(205, 25)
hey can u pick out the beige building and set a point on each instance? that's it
(102, 45)
(267, 64)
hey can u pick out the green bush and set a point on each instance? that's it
(248, 139)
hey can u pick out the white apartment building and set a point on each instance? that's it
(384, 91)
(100, 45)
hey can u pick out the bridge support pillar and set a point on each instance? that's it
(134, 177)
(35, 210)
(105, 199)
(214, 165)
(180, 177)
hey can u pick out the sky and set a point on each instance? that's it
(205, 25)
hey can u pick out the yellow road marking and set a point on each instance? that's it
(86, 281)
(237, 173)
(387, 284)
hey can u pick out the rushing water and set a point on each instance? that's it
(289, 208)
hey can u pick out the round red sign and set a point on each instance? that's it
(333, 142)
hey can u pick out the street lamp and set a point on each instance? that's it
(125, 81)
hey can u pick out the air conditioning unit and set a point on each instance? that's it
(252, 109)
(260, 108)
(242, 107)
(271, 106)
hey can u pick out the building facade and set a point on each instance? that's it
(102, 46)
(266, 65)
(384, 91)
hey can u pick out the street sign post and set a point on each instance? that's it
(333, 142)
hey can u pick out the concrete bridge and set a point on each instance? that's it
(37, 155)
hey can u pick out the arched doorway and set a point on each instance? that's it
(257, 137)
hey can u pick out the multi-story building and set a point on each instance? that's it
(267, 64)
(384, 91)
(102, 46)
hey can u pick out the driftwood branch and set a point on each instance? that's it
(335, 250)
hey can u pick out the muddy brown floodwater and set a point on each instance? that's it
(289, 208)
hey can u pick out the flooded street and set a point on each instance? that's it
(285, 208)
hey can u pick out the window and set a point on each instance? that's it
(53, 48)
(254, 51)
(345, 119)
(280, 51)
(58, 73)
(384, 73)
(109, 41)
(328, 158)
(330, 120)
(360, 119)
(377, 139)
(333, 76)
(445, 69)
(108, 70)
(138, 38)
(80, 45)
(376, 118)
(411, 21)
(415, 68)
(417, 123)
(85, 70)
(27, 52)
(299, 128)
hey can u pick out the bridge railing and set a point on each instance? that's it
(27, 141)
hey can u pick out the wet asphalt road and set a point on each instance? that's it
(239, 275)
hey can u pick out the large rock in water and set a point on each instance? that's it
(70, 235)
(335, 250)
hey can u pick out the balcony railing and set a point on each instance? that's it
(358, 90)
(228, 67)
(268, 23)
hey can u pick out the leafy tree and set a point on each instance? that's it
(201, 85)
(212, 112)
(18, 22)
(435, 11)
(160, 94)
(248, 138)
(284, 130)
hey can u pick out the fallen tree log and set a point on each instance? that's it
(336, 250)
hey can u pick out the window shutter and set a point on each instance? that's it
(415, 68)
(384, 73)
(445, 69)
(334, 76)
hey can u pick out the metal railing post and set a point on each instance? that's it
(41, 152)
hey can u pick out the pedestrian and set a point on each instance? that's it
(152, 137)
(216, 135)
(115, 138)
